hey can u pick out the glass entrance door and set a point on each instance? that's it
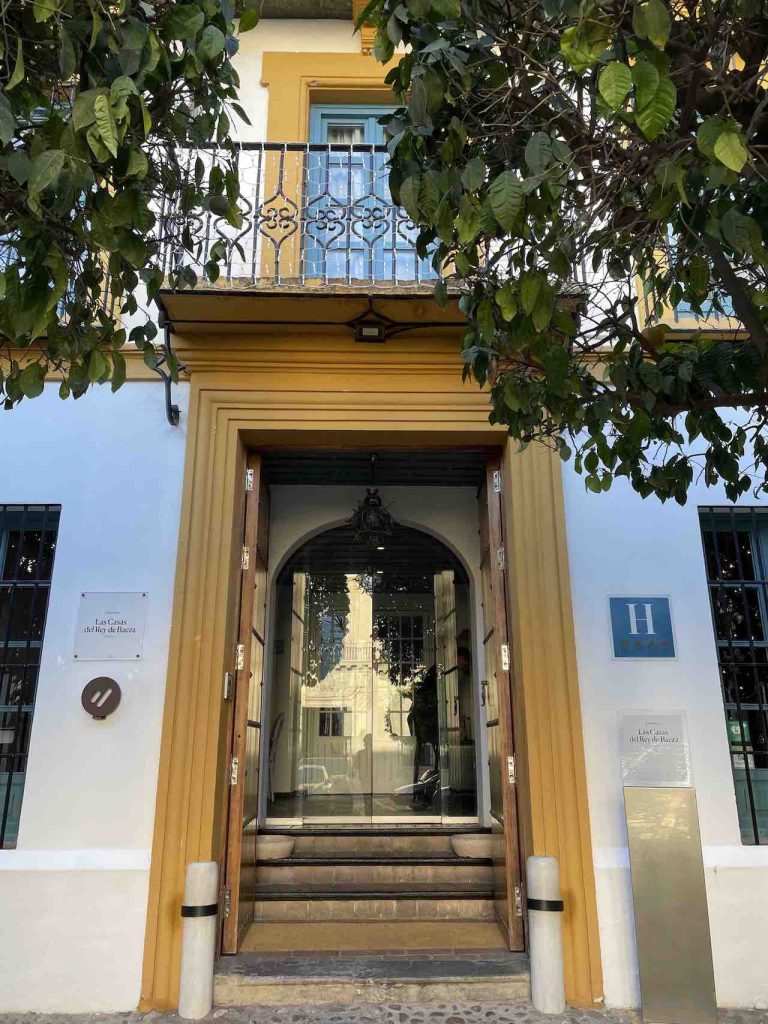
(371, 704)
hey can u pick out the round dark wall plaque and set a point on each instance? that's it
(101, 696)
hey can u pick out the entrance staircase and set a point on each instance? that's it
(362, 915)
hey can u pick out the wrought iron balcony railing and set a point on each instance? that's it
(318, 214)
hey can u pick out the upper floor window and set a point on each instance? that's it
(736, 554)
(27, 548)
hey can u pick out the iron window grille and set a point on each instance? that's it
(736, 555)
(27, 549)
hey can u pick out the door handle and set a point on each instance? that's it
(456, 706)
(483, 690)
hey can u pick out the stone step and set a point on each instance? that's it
(418, 905)
(466, 978)
(370, 844)
(367, 871)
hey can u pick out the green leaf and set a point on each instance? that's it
(97, 366)
(32, 380)
(83, 112)
(730, 150)
(429, 195)
(530, 286)
(651, 21)
(739, 231)
(542, 310)
(409, 196)
(122, 88)
(506, 197)
(708, 134)
(248, 19)
(614, 84)
(210, 43)
(473, 175)
(448, 8)
(506, 301)
(183, 21)
(18, 70)
(67, 58)
(7, 120)
(468, 220)
(656, 112)
(646, 81)
(105, 123)
(118, 370)
(137, 164)
(45, 170)
(582, 46)
(44, 9)
(538, 152)
(18, 166)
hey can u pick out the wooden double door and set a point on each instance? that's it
(247, 729)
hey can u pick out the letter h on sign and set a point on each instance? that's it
(642, 627)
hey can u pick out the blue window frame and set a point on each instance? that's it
(352, 229)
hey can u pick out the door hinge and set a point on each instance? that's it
(229, 686)
(233, 771)
(497, 481)
(518, 901)
(511, 770)
(505, 657)
(501, 559)
(240, 657)
(245, 557)
(249, 479)
(227, 902)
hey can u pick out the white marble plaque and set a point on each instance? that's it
(655, 749)
(110, 627)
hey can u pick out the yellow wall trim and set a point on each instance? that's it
(342, 394)
(296, 80)
(555, 815)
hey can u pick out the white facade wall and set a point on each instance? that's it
(622, 545)
(73, 894)
(288, 36)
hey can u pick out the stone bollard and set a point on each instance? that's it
(545, 936)
(198, 940)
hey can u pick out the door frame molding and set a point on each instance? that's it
(353, 397)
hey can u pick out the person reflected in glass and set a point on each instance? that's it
(424, 727)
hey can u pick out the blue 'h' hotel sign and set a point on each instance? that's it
(642, 627)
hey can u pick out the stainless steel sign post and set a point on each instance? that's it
(674, 950)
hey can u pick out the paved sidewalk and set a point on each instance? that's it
(393, 1013)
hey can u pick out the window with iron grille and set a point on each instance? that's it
(736, 553)
(27, 548)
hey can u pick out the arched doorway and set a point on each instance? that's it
(371, 712)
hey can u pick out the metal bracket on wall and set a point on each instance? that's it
(167, 359)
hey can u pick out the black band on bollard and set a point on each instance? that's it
(208, 910)
(554, 905)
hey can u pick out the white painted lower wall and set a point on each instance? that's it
(73, 894)
(620, 544)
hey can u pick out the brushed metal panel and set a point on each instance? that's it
(674, 950)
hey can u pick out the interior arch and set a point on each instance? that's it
(371, 711)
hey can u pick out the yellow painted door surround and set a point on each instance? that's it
(297, 390)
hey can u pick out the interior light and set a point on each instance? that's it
(380, 547)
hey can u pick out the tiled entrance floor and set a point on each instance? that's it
(371, 936)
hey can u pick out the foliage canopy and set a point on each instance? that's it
(584, 168)
(99, 102)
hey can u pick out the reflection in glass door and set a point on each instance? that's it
(371, 710)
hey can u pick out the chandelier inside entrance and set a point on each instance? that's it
(370, 520)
